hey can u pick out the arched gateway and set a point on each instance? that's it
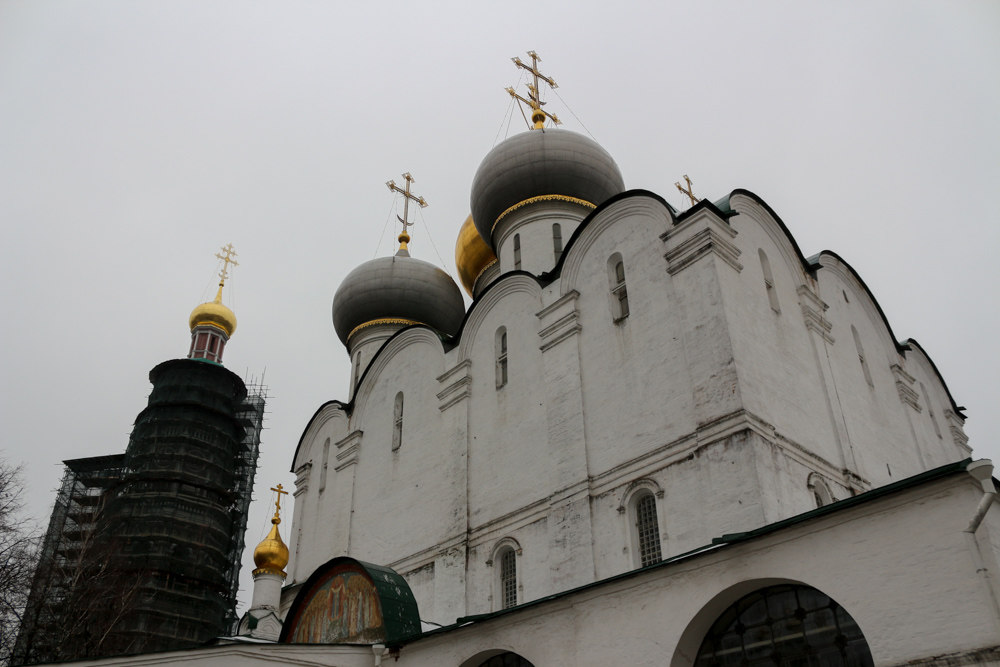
(786, 625)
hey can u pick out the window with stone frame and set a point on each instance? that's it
(772, 294)
(397, 424)
(500, 345)
(619, 291)
(861, 357)
(508, 578)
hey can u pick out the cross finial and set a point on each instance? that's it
(689, 192)
(277, 503)
(538, 115)
(404, 237)
(227, 259)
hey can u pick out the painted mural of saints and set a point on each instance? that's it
(344, 610)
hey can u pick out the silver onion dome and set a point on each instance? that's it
(397, 289)
(539, 163)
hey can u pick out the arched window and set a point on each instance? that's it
(772, 295)
(397, 423)
(861, 357)
(821, 492)
(619, 292)
(647, 529)
(357, 368)
(508, 578)
(517, 252)
(785, 625)
(500, 345)
(557, 240)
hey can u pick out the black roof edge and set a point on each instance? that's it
(717, 543)
(703, 204)
(306, 429)
(900, 347)
(807, 264)
(959, 409)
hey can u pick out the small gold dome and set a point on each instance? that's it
(472, 255)
(214, 314)
(271, 554)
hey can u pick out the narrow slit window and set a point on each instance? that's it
(647, 530)
(508, 578)
(517, 252)
(930, 409)
(861, 357)
(619, 291)
(326, 462)
(397, 425)
(557, 246)
(501, 355)
(357, 368)
(772, 295)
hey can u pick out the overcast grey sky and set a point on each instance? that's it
(138, 137)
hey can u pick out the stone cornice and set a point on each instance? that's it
(560, 320)
(302, 478)
(904, 385)
(457, 383)
(347, 450)
(703, 234)
(814, 313)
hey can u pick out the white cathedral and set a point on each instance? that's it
(656, 437)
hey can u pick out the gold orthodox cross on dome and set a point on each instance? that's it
(227, 259)
(538, 115)
(689, 192)
(404, 238)
(277, 502)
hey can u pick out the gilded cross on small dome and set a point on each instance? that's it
(227, 259)
(404, 238)
(689, 192)
(277, 503)
(538, 115)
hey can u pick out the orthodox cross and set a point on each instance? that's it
(538, 115)
(689, 192)
(404, 238)
(227, 259)
(277, 503)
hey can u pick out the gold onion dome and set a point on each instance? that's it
(472, 255)
(214, 314)
(271, 553)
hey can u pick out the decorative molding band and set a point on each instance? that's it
(564, 320)
(904, 385)
(955, 423)
(566, 326)
(540, 198)
(705, 242)
(813, 312)
(347, 453)
(382, 320)
(460, 386)
(302, 478)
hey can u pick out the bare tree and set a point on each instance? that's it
(18, 550)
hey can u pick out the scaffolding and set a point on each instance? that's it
(163, 523)
(85, 491)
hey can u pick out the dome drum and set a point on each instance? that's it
(539, 226)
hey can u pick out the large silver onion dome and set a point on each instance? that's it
(398, 289)
(538, 163)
